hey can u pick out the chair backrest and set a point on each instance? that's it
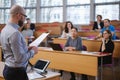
(84, 48)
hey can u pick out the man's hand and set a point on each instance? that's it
(33, 48)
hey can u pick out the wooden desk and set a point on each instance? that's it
(92, 45)
(78, 62)
(49, 76)
(88, 33)
(92, 33)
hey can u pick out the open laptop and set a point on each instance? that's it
(56, 47)
(41, 66)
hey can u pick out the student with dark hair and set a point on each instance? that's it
(107, 26)
(32, 26)
(67, 30)
(107, 46)
(27, 32)
(98, 25)
(74, 43)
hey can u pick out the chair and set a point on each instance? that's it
(84, 48)
(112, 66)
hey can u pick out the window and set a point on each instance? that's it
(51, 11)
(78, 14)
(31, 13)
(76, 2)
(102, 1)
(51, 2)
(26, 3)
(4, 15)
(51, 14)
(5, 3)
(108, 11)
(4, 10)
(78, 11)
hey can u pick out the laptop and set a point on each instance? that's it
(41, 66)
(56, 47)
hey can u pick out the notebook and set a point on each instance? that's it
(56, 47)
(41, 66)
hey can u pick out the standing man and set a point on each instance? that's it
(15, 51)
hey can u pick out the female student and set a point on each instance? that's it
(107, 46)
(28, 33)
(67, 30)
(98, 25)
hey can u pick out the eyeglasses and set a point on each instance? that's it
(24, 15)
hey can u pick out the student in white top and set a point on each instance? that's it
(28, 33)
(67, 29)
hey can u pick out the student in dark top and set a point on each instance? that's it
(107, 46)
(32, 26)
(98, 25)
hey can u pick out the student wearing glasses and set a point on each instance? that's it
(107, 46)
(16, 52)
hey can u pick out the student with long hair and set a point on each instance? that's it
(67, 30)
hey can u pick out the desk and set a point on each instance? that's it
(93, 45)
(49, 76)
(78, 62)
(92, 33)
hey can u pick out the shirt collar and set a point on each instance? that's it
(16, 26)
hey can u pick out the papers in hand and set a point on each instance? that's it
(39, 39)
(34, 75)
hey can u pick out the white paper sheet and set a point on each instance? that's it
(39, 39)
(34, 75)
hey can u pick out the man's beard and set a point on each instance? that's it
(20, 23)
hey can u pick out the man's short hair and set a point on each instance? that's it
(107, 20)
(16, 9)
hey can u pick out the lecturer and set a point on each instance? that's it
(15, 51)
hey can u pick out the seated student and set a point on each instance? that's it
(107, 26)
(74, 43)
(67, 29)
(98, 25)
(32, 26)
(107, 46)
(27, 33)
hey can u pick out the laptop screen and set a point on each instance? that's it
(56, 47)
(41, 65)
